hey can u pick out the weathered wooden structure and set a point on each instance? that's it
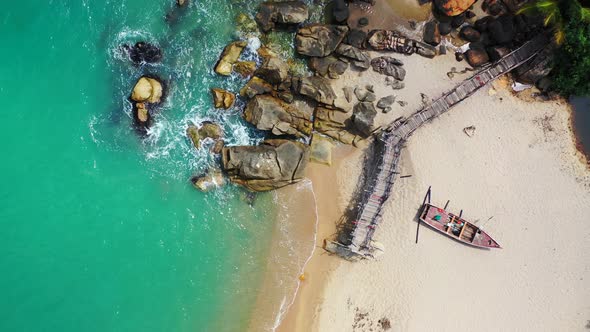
(380, 180)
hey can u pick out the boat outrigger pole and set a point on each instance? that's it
(426, 197)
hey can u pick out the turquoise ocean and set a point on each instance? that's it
(101, 229)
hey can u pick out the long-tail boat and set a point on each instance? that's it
(456, 227)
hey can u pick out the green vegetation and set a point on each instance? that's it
(570, 21)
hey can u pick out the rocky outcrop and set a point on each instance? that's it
(209, 181)
(255, 86)
(470, 34)
(273, 70)
(363, 119)
(230, 55)
(319, 40)
(389, 66)
(316, 88)
(358, 57)
(269, 113)
(273, 164)
(143, 52)
(271, 14)
(223, 98)
(329, 66)
(334, 123)
(453, 7)
(245, 68)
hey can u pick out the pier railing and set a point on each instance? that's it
(382, 176)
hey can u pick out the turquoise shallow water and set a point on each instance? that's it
(101, 230)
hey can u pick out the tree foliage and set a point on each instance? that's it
(571, 74)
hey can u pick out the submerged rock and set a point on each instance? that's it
(340, 11)
(318, 39)
(287, 12)
(230, 55)
(213, 179)
(223, 98)
(207, 130)
(143, 52)
(273, 164)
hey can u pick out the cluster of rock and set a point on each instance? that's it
(490, 37)
(146, 95)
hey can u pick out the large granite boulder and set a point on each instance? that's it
(273, 70)
(273, 164)
(255, 86)
(453, 7)
(287, 12)
(269, 113)
(143, 52)
(363, 119)
(321, 150)
(390, 66)
(318, 39)
(316, 88)
(223, 98)
(147, 89)
(230, 55)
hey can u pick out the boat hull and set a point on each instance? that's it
(456, 228)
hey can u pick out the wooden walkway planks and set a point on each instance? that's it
(382, 176)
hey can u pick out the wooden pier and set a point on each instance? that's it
(391, 140)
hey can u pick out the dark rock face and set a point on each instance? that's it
(494, 7)
(389, 66)
(340, 11)
(482, 24)
(444, 28)
(431, 33)
(453, 7)
(356, 38)
(273, 164)
(497, 52)
(502, 29)
(476, 57)
(535, 69)
(329, 66)
(358, 57)
(289, 12)
(269, 113)
(316, 88)
(363, 119)
(458, 20)
(469, 34)
(143, 52)
(319, 40)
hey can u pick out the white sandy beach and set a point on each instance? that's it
(521, 168)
